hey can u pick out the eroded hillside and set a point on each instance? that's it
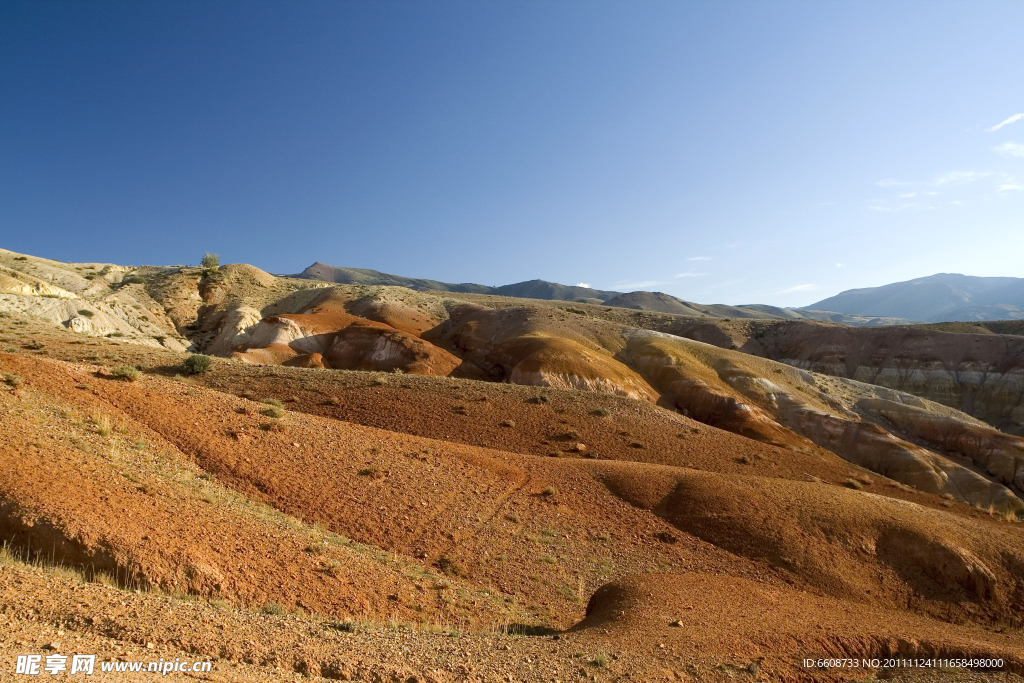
(370, 468)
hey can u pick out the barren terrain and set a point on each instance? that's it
(371, 483)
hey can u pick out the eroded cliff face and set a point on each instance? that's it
(979, 374)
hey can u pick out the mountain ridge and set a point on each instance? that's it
(943, 297)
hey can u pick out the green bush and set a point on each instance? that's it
(125, 372)
(86, 313)
(210, 263)
(197, 364)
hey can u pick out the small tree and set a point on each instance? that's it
(210, 263)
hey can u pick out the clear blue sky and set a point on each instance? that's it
(724, 152)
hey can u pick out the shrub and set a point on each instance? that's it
(85, 313)
(449, 566)
(272, 402)
(210, 263)
(126, 372)
(12, 380)
(197, 364)
(273, 411)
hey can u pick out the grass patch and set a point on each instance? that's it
(102, 423)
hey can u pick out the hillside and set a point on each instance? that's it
(462, 477)
(946, 297)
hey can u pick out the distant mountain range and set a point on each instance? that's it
(944, 297)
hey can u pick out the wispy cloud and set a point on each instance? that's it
(1011, 187)
(839, 265)
(881, 205)
(1013, 119)
(960, 177)
(892, 182)
(626, 284)
(1011, 149)
(583, 284)
(799, 288)
(677, 275)
(699, 258)
(950, 178)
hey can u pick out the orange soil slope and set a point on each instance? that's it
(129, 504)
(746, 630)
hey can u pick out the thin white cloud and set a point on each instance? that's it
(1010, 149)
(908, 195)
(892, 182)
(699, 258)
(799, 288)
(626, 284)
(839, 265)
(677, 275)
(957, 203)
(1011, 187)
(583, 284)
(960, 177)
(1013, 119)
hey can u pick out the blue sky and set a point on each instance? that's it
(723, 152)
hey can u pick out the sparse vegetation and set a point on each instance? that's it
(196, 364)
(210, 263)
(125, 372)
(602, 412)
(274, 608)
(85, 313)
(102, 423)
(449, 566)
(272, 411)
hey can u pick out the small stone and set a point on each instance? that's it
(676, 623)
(150, 646)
